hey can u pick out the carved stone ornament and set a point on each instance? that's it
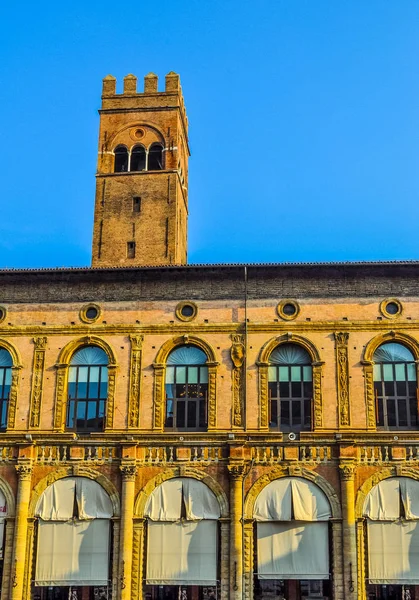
(237, 352)
(128, 472)
(135, 380)
(369, 396)
(341, 346)
(346, 472)
(317, 397)
(37, 380)
(236, 471)
(24, 471)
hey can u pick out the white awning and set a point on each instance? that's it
(58, 501)
(393, 552)
(182, 553)
(293, 550)
(292, 498)
(384, 502)
(72, 553)
(194, 497)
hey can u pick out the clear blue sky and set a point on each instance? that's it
(304, 123)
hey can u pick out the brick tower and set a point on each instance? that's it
(141, 207)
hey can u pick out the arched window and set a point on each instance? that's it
(87, 389)
(121, 159)
(73, 538)
(186, 389)
(182, 535)
(155, 157)
(395, 387)
(290, 388)
(138, 159)
(292, 531)
(392, 514)
(6, 364)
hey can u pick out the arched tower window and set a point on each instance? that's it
(121, 159)
(155, 157)
(138, 159)
(187, 389)
(395, 387)
(87, 389)
(6, 364)
(290, 388)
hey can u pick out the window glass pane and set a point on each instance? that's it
(169, 413)
(284, 374)
(272, 373)
(272, 388)
(180, 390)
(413, 413)
(3, 423)
(400, 372)
(388, 372)
(91, 410)
(83, 373)
(296, 413)
(389, 388)
(104, 389)
(6, 391)
(285, 413)
(170, 375)
(203, 374)
(380, 416)
(180, 413)
(70, 414)
(193, 391)
(274, 414)
(71, 390)
(101, 408)
(307, 373)
(81, 390)
(72, 374)
(192, 415)
(202, 413)
(402, 412)
(307, 414)
(8, 377)
(295, 373)
(94, 382)
(411, 372)
(308, 389)
(180, 374)
(170, 391)
(391, 412)
(81, 410)
(296, 390)
(412, 389)
(377, 372)
(104, 374)
(284, 389)
(94, 374)
(192, 374)
(401, 388)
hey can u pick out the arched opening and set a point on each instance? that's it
(290, 377)
(395, 387)
(391, 510)
(292, 533)
(186, 388)
(138, 159)
(121, 159)
(73, 541)
(87, 389)
(155, 157)
(182, 559)
(6, 364)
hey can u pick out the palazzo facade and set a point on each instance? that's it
(200, 432)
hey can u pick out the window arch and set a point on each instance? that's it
(155, 157)
(87, 389)
(186, 389)
(290, 388)
(138, 159)
(6, 364)
(121, 159)
(395, 384)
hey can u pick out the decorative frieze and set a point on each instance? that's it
(37, 380)
(341, 346)
(135, 380)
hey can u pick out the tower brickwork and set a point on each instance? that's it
(141, 207)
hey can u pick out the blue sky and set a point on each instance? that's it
(304, 124)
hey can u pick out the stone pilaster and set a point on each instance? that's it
(347, 471)
(236, 531)
(24, 472)
(127, 529)
(138, 559)
(7, 557)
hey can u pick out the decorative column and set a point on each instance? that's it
(341, 346)
(237, 352)
(24, 472)
(347, 471)
(37, 380)
(135, 380)
(236, 531)
(127, 529)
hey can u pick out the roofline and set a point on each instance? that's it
(192, 266)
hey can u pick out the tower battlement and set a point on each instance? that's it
(151, 97)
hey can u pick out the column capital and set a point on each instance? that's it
(128, 472)
(236, 471)
(347, 471)
(24, 471)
